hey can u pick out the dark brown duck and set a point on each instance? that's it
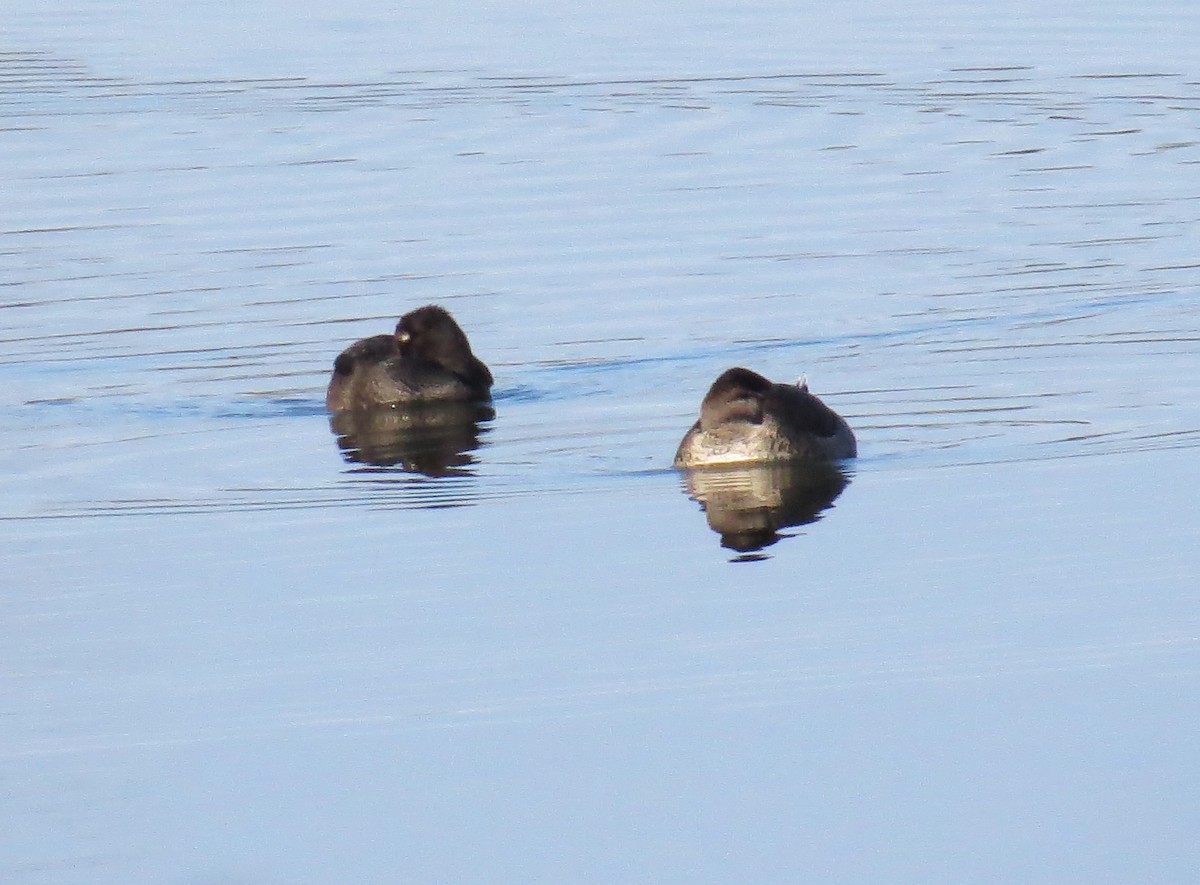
(427, 359)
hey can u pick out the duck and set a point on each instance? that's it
(746, 418)
(428, 359)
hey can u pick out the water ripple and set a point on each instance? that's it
(984, 266)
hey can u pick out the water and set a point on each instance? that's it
(237, 651)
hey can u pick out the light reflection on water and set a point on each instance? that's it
(750, 506)
(435, 440)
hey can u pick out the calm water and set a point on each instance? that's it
(237, 651)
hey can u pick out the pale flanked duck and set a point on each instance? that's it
(428, 359)
(746, 418)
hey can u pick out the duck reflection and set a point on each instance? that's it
(748, 504)
(436, 439)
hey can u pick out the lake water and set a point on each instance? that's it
(237, 651)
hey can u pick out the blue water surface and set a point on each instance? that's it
(238, 649)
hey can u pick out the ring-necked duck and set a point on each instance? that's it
(428, 359)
